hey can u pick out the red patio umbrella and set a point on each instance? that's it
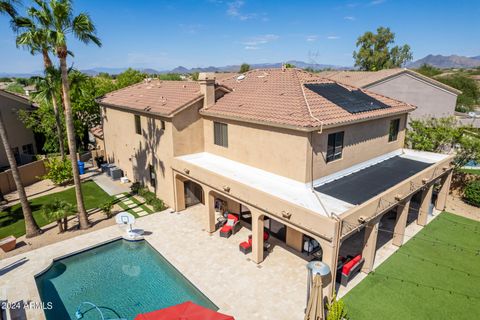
(184, 311)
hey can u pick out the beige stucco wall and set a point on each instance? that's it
(133, 153)
(280, 151)
(362, 141)
(187, 131)
(431, 101)
(18, 134)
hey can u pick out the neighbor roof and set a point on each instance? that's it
(97, 131)
(155, 96)
(364, 79)
(18, 97)
(295, 98)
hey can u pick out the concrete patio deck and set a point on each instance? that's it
(276, 289)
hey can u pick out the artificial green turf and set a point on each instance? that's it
(440, 269)
(11, 219)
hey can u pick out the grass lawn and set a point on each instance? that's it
(429, 277)
(142, 205)
(11, 220)
(471, 171)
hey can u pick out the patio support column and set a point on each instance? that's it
(257, 235)
(370, 245)
(401, 222)
(425, 201)
(179, 194)
(444, 190)
(210, 211)
(330, 257)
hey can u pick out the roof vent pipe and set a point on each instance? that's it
(207, 88)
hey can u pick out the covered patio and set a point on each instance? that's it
(343, 214)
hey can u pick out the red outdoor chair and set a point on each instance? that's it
(231, 227)
(246, 246)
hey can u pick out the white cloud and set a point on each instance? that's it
(376, 2)
(311, 38)
(351, 18)
(259, 40)
(234, 10)
(251, 48)
(333, 37)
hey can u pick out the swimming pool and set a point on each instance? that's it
(122, 278)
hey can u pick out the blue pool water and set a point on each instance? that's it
(472, 163)
(122, 278)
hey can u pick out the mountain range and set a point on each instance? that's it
(184, 70)
(444, 62)
(438, 61)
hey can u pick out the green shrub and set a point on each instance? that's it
(135, 187)
(336, 310)
(158, 205)
(58, 210)
(149, 197)
(471, 194)
(58, 170)
(142, 191)
(107, 208)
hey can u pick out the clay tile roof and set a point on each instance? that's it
(97, 131)
(363, 79)
(289, 98)
(19, 97)
(161, 97)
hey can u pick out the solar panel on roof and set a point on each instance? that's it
(353, 101)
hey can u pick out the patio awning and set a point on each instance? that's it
(184, 311)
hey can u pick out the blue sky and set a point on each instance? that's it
(165, 34)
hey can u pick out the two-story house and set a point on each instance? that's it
(432, 98)
(21, 139)
(298, 155)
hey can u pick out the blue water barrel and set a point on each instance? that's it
(81, 167)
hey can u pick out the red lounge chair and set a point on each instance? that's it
(351, 268)
(231, 227)
(246, 246)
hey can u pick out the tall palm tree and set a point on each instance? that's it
(57, 17)
(35, 38)
(31, 227)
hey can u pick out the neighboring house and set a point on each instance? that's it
(432, 98)
(21, 139)
(313, 161)
(96, 137)
(30, 89)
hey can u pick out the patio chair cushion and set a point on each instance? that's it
(347, 267)
(246, 244)
(226, 228)
(233, 217)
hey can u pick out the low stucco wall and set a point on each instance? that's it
(29, 173)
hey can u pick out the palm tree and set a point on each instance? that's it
(35, 38)
(31, 227)
(57, 18)
(8, 7)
